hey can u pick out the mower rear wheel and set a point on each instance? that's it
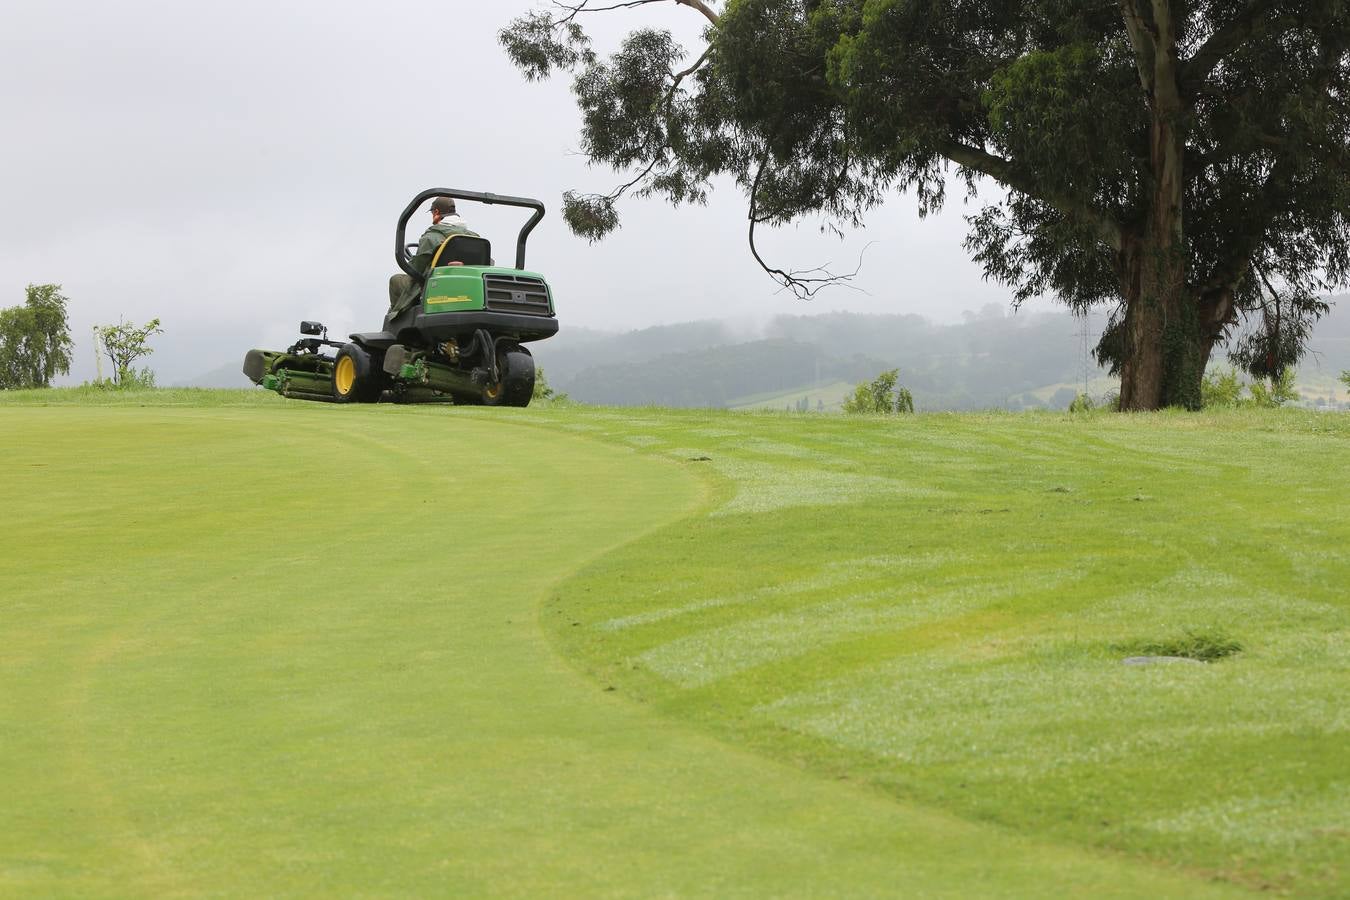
(516, 387)
(357, 378)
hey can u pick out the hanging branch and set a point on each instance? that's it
(803, 283)
(575, 9)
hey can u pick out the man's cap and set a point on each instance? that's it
(444, 205)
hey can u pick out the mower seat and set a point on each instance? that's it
(465, 249)
(457, 249)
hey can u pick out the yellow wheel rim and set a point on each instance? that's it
(344, 376)
(493, 392)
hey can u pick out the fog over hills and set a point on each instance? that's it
(995, 358)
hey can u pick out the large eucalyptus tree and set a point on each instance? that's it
(1183, 162)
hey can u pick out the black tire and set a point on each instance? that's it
(517, 385)
(357, 376)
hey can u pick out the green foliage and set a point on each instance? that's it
(35, 343)
(1345, 378)
(1221, 388)
(544, 392)
(1277, 392)
(881, 395)
(1224, 388)
(1082, 403)
(124, 343)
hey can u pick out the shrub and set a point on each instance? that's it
(544, 392)
(1220, 389)
(1280, 391)
(1225, 389)
(1082, 403)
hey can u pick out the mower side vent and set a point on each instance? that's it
(516, 293)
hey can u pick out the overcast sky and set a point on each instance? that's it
(236, 167)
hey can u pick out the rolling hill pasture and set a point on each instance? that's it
(256, 646)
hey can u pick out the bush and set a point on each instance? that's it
(881, 395)
(544, 392)
(1280, 391)
(1082, 403)
(1220, 389)
(132, 380)
(1225, 389)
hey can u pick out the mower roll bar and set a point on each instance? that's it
(490, 199)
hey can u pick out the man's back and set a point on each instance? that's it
(432, 239)
(403, 289)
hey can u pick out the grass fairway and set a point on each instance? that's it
(250, 646)
(939, 607)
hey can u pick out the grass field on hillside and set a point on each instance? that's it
(830, 396)
(258, 646)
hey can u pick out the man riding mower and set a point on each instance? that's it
(456, 332)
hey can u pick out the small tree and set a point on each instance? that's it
(881, 395)
(1345, 378)
(35, 342)
(123, 344)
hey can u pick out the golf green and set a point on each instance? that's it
(294, 649)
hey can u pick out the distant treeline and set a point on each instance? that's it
(992, 359)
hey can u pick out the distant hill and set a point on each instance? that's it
(993, 359)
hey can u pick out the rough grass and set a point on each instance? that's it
(1202, 646)
(938, 606)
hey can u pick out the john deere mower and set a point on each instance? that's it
(461, 341)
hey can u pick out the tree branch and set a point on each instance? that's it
(1223, 281)
(804, 283)
(1253, 21)
(575, 9)
(1108, 230)
(1166, 65)
(1142, 39)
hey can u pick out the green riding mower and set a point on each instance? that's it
(462, 340)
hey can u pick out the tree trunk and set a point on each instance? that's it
(1163, 362)
(1165, 349)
